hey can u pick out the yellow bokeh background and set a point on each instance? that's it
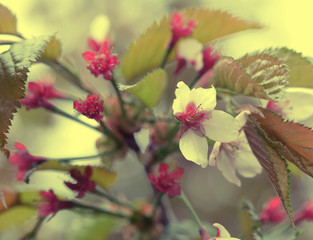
(286, 23)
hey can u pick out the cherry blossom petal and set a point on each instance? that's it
(204, 97)
(225, 163)
(194, 148)
(221, 127)
(221, 231)
(246, 163)
(182, 98)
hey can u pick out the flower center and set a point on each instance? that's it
(193, 116)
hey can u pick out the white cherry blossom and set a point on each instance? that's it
(235, 156)
(195, 109)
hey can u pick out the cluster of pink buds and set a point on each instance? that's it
(51, 204)
(101, 61)
(179, 29)
(83, 183)
(24, 161)
(91, 107)
(39, 94)
(166, 182)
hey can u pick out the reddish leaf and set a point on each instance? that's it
(292, 140)
(273, 163)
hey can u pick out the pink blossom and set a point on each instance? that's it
(83, 182)
(179, 29)
(306, 213)
(97, 46)
(51, 204)
(209, 59)
(92, 107)
(24, 161)
(273, 211)
(281, 108)
(38, 95)
(102, 62)
(166, 182)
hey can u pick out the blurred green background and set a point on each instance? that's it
(286, 23)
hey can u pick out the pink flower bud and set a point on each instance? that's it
(166, 182)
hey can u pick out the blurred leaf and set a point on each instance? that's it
(14, 65)
(150, 88)
(229, 74)
(10, 198)
(101, 176)
(94, 227)
(148, 50)
(52, 51)
(272, 162)
(15, 216)
(301, 70)
(29, 197)
(7, 21)
(249, 221)
(267, 71)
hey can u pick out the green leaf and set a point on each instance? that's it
(148, 50)
(93, 227)
(52, 51)
(15, 216)
(229, 74)
(259, 75)
(301, 70)
(7, 21)
(150, 88)
(267, 71)
(14, 65)
(273, 163)
(101, 176)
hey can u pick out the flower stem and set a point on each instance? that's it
(165, 57)
(194, 81)
(119, 96)
(157, 204)
(193, 212)
(114, 199)
(64, 114)
(66, 73)
(101, 210)
(34, 232)
(65, 160)
(107, 132)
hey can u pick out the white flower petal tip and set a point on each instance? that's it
(222, 233)
(191, 51)
(181, 101)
